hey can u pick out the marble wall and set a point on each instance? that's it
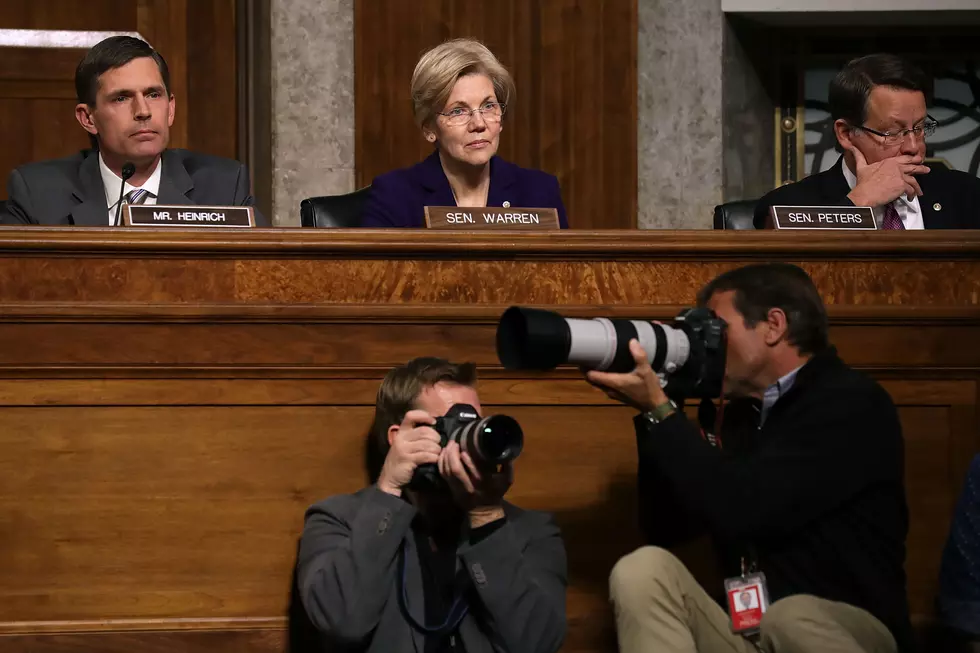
(679, 136)
(312, 71)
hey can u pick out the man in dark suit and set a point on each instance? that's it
(437, 563)
(878, 104)
(125, 104)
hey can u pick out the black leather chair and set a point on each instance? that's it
(735, 215)
(337, 211)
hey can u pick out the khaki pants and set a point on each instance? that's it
(661, 608)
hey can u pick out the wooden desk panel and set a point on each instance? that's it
(170, 403)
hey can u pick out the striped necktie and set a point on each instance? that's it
(892, 219)
(136, 196)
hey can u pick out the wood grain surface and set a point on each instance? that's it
(170, 403)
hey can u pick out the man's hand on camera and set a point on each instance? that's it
(414, 444)
(478, 489)
(640, 388)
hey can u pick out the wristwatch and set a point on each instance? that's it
(661, 412)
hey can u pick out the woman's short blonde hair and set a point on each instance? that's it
(437, 71)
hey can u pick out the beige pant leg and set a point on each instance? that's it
(661, 608)
(807, 624)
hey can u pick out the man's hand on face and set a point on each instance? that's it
(477, 489)
(885, 181)
(415, 443)
(640, 388)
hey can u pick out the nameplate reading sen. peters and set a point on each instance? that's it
(824, 217)
(490, 217)
(156, 215)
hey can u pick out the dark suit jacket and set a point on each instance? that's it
(956, 193)
(347, 577)
(69, 191)
(399, 198)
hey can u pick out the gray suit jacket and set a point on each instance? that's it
(348, 568)
(69, 191)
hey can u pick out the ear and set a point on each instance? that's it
(173, 108)
(83, 114)
(843, 132)
(430, 136)
(392, 431)
(776, 321)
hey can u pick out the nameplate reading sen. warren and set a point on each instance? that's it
(824, 217)
(490, 217)
(156, 215)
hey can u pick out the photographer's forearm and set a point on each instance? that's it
(657, 460)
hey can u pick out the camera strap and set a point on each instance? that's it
(458, 610)
(714, 439)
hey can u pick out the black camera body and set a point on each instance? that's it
(494, 440)
(703, 375)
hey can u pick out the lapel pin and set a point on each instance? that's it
(507, 205)
(937, 207)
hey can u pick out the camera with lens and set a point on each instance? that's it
(688, 354)
(491, 440)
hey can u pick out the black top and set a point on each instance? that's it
(442, 580)
(816, 493)
(950, 198)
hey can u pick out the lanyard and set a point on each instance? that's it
(456, 612)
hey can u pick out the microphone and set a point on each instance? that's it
(128, 170)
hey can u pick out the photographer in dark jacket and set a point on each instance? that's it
(805, 486)
(396, 568)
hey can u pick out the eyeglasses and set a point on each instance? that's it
(458, 116)
(925, 130)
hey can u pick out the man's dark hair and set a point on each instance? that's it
(108, 54)
(850, 88)
(399, 393)
(764, 286)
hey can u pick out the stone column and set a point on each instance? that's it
(312, 53)
(679, 135)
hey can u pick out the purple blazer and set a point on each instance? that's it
(398, 197)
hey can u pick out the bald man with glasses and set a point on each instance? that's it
(878, 104)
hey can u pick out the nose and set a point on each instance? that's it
(141, 108)
(477, 122)
(913, 143)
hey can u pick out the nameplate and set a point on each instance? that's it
(824, 217)
(157, 215)
(490, 217)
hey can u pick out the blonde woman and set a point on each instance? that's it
(460, 94)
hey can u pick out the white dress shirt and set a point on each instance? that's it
(111, 182)
(909, 212)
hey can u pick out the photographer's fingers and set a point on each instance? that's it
(443, 464)
(415, 418)
(456, 467)
(424, 457)
(423, 445)
(471, 467)
(639, 356)
(605, 380)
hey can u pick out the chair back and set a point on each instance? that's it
(735, 215)
(334, 211)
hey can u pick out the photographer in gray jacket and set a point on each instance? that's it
(430, 558)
